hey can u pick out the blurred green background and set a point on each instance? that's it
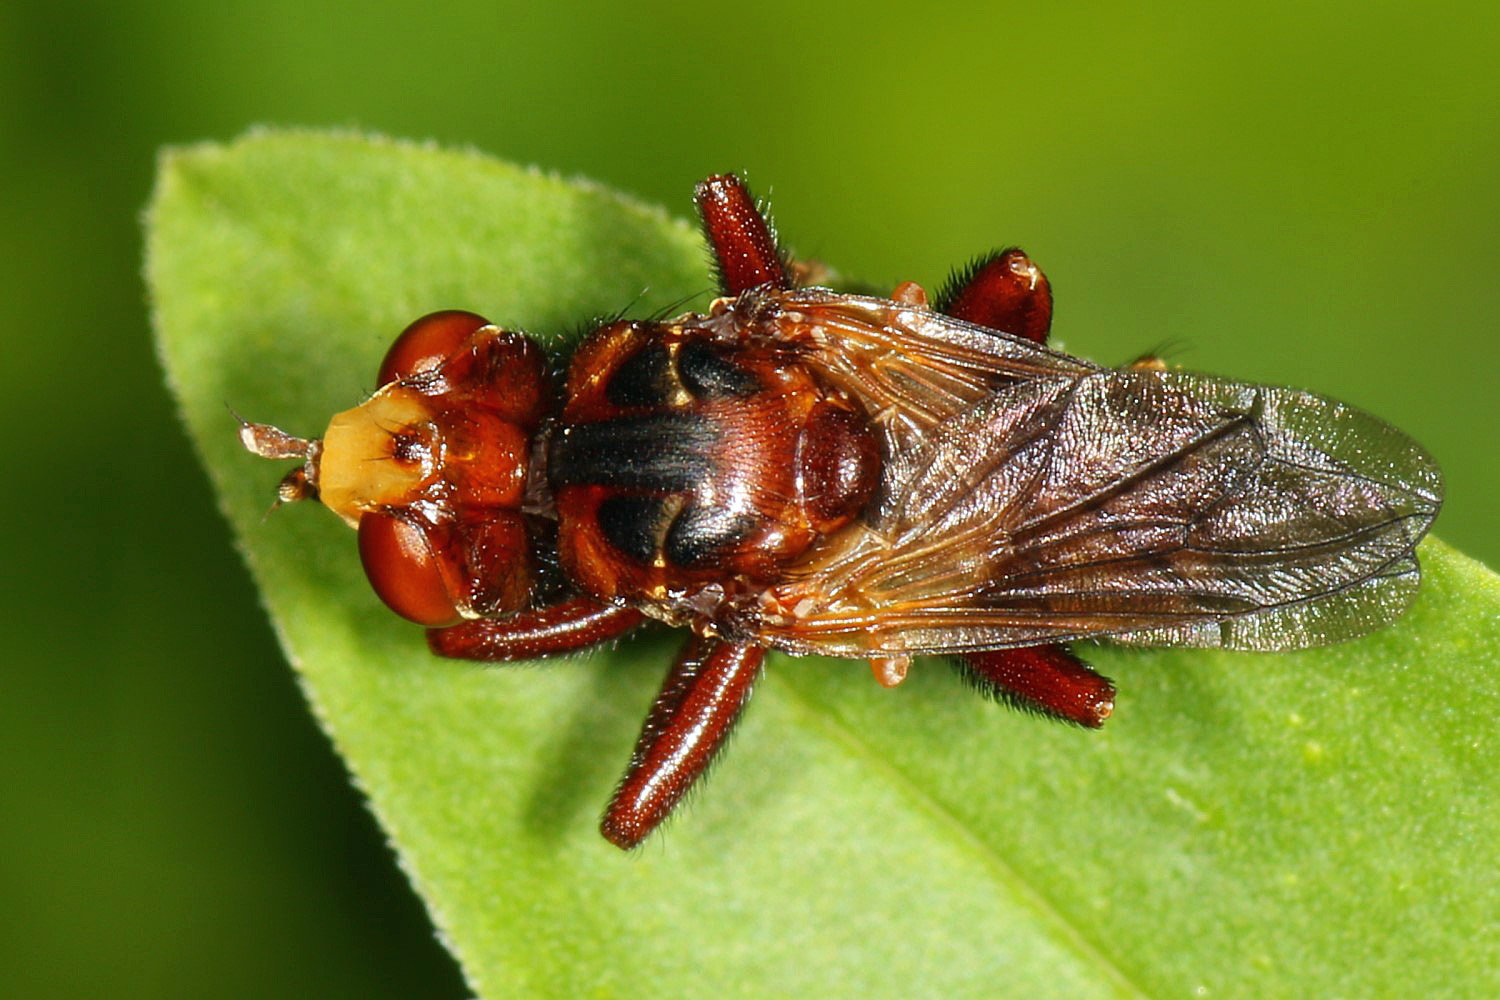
(1280, 193)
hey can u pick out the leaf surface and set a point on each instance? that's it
(1315, 824)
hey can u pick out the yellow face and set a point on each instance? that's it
(380, 454)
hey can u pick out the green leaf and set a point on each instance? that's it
(1317, 824)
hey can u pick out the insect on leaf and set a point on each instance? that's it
(1312, 824)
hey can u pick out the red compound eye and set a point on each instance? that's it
(428, 342)
(405, 571)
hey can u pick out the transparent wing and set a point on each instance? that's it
(1151, 507)
(913, 369)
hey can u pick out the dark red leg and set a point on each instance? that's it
(559, 628)
(1003, 290)
(1046, 679)
(699, 703)
(741, 239)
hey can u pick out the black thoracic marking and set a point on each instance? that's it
(632, 523)
(667, 452)
(643, 379)
(700, 535)
(709, 375)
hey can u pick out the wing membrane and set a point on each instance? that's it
(913, 369)
(1031, 497)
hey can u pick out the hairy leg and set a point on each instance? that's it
(559, 628)
(1045, 679)
(1002, 290)
(743, 243)
(698, 705)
